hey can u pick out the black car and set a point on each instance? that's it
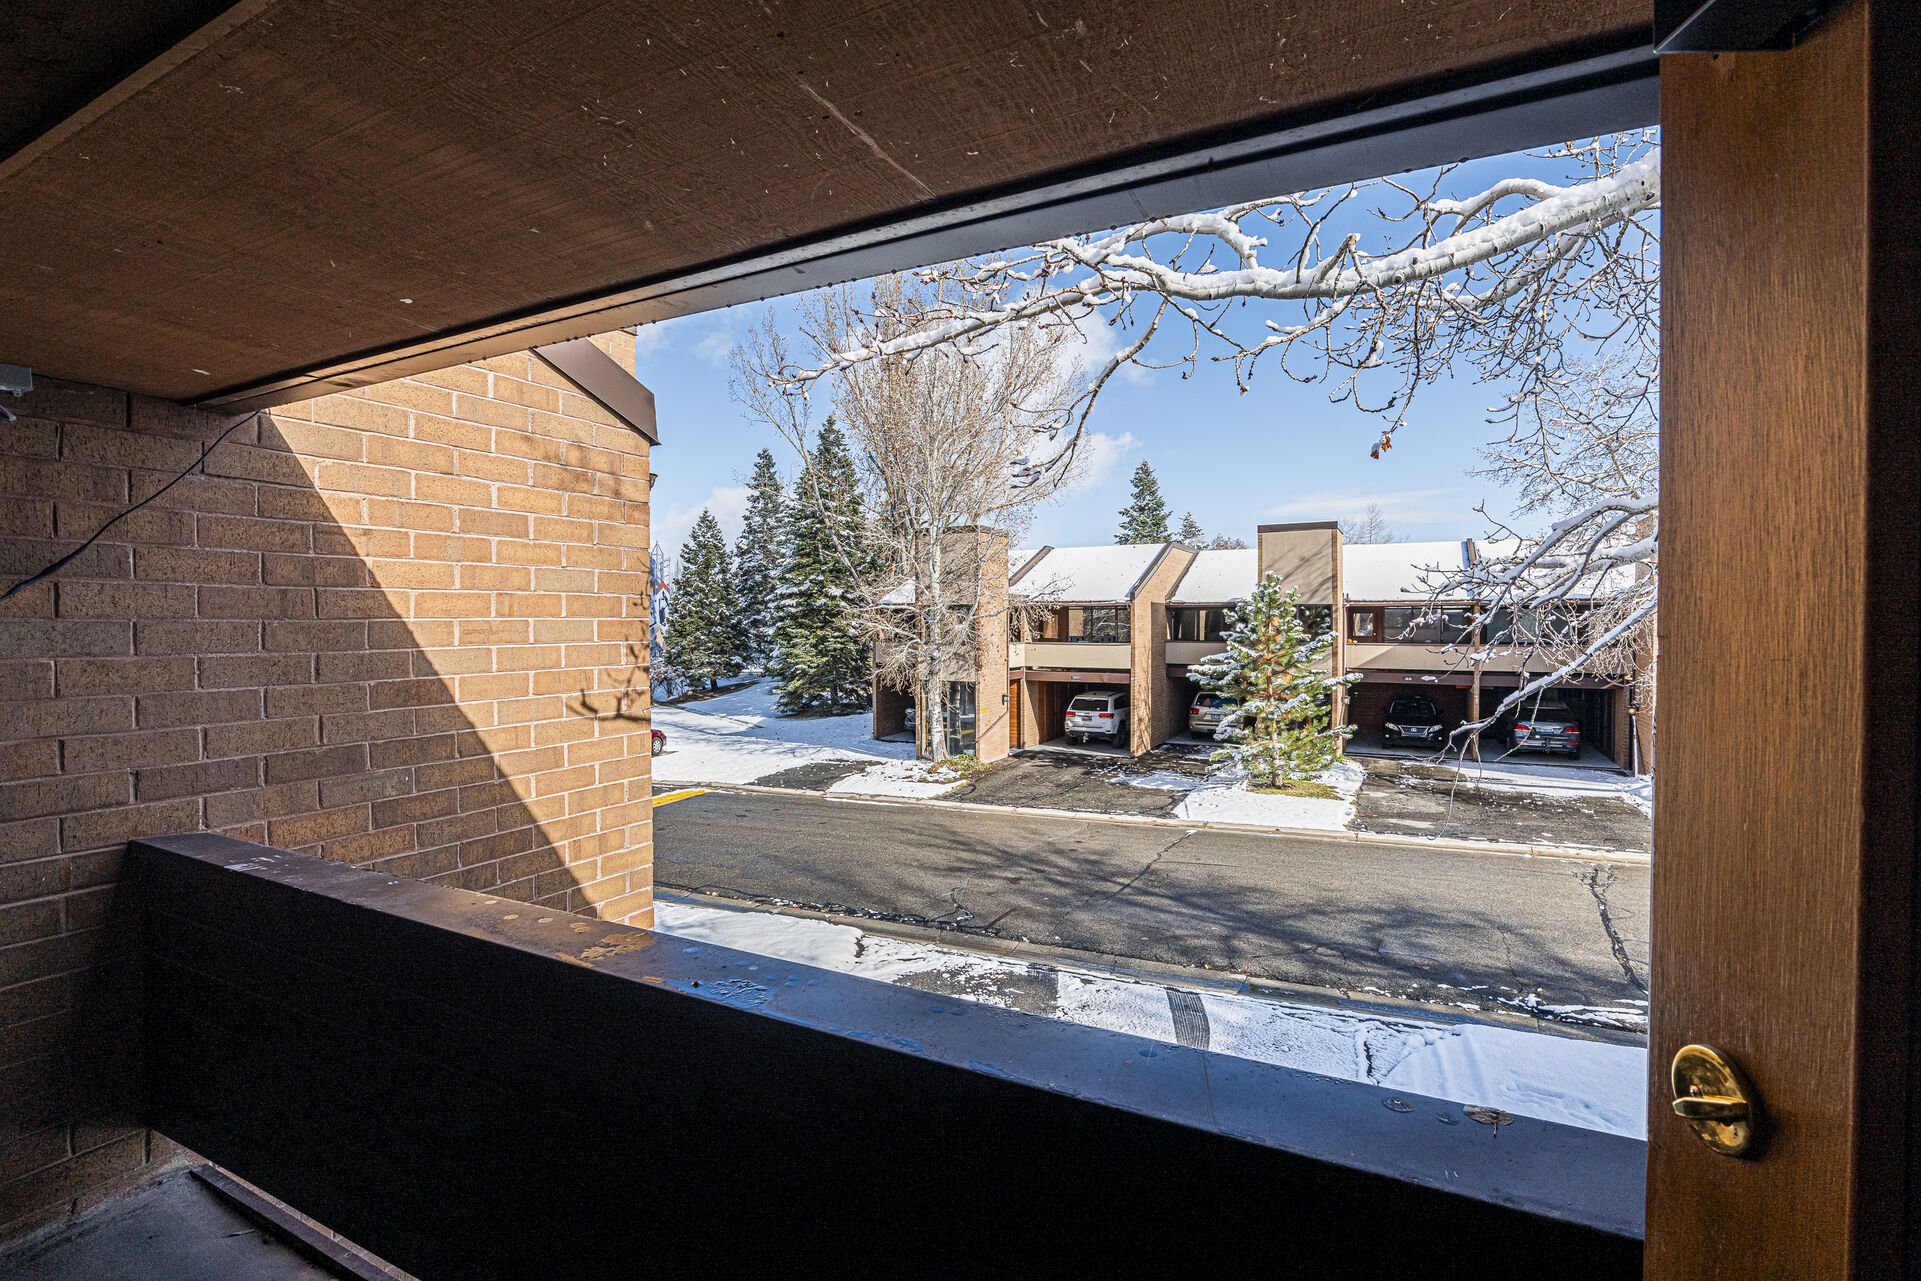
(1413, 718)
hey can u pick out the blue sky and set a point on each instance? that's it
(1281, 452)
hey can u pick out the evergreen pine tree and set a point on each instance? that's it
(820, 659)
(1191, 532)
(1280, 730)
(1144, 519)
(703, 640)
(758, 555)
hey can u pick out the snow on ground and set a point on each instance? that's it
(1166, 779)
(1226, 798)
(1555, 1078)
(1640, 794)
(1555, 780)
(916, 779)
(739, 737)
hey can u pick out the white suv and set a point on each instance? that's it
(1101, 715)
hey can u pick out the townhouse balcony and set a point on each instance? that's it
(1181, 653)
(1424, 658)
(1104, 656)
(470, 1087)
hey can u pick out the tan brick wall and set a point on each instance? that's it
(385, 627)
(1158, 712)
(992, 708)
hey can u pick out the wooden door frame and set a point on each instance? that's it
(1785, 814)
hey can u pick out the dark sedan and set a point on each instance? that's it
(1413, 719)
(1546, 726)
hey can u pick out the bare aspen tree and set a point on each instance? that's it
(944, 442)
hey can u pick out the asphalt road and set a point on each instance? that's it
(1420, 924)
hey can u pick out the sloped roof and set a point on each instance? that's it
(1089, 574)
(1016, 561)
(1217, 577)
(1398, 571)
(1613, 580)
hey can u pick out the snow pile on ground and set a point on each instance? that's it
(1587, 1083)
(1640, 794)
(1552, 780)
(1629, 1016)
(738, 737)
(1165, 779)
(916, 779)
(1226, 798)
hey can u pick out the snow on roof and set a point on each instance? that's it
(1617, 579)
(1397, 571)
(1089, 574)
(1217, 577)
(904, 594)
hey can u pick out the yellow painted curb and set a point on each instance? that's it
(668, 798)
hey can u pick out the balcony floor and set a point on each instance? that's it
(177, 1228)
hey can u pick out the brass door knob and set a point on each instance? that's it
(1712, 1096)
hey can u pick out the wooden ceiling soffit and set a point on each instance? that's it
(306, 197)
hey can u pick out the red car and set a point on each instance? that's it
(660, 741)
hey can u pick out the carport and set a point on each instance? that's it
(1595, 705)
(1044, 696)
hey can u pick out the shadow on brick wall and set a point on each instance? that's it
(351, 673)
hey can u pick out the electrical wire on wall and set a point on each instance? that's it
(68, 559)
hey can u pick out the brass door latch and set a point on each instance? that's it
(1712, 1096)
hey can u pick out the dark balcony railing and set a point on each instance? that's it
(474, 1088)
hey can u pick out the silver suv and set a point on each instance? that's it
(1207, 712)
(1102, 715)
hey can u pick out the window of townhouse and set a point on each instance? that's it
(1427, 625)
(1093, 625)
(1188, 624)
(1185, 623)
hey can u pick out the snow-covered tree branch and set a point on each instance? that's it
(1546, 287)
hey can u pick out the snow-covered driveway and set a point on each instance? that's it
(738, 737)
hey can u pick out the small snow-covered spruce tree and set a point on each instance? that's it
(703, 640)
(821, 659)
(1190, 531)
(1280, 731)
(1144, 519)
(758, 554)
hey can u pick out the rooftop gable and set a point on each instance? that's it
(1091, 575)
(1398, 571)
(1218, 577)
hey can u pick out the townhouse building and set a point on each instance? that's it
(1133, 618)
